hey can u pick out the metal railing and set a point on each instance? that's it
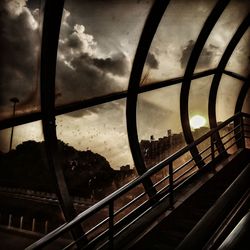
(114, 219)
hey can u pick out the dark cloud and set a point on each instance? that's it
(151, 61)
(205, 57)
(117, 65)
(82, 71)
(19, 42)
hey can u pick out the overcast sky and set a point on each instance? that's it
(97, 43)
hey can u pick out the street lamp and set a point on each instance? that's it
(14, 100)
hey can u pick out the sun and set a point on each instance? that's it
(197, 121)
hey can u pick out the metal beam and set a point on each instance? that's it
(192, 62)
(146, 38)
(235, 75)
(238, 108)
(74, 106)
(51, 28)
(217, 77)
(242, 95)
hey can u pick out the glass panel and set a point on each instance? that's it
(174, 39)
(246, 109)
(246, 104)
(20, 42)
(247, 131)
(239, 61)
(97, 44)
(222, 34)
(227, 95)
(198, 105)
(159, 125)
(27, 201)
(97, 155)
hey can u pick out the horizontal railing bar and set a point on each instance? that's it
(133, 221)
(204, 150)
(160, 181)
(245, 114)
(183, 182)
(183, 174)
(207, 157)
(97, 226)
(233, 137)
(128, 204)
(234, 143)
(131, 212)
(183, 165)
(161, 190)
(232, 130)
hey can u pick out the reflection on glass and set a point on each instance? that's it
(227, 95)
(20, 51)
(159, 125)
(96, 152)
(222, 34)
(25, 182)
(239, 61)
(97, 44)
(174, 39)
(198, 105)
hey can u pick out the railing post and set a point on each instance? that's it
(242, 131)
(111, 225)
(212, 147)
(171, 186)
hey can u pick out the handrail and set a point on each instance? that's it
(118, 193)
(202, 232)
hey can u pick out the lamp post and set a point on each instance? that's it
(14, 100)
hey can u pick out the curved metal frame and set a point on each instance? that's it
(240, 141)
(146, 38)
(51, 28)
(217, 77)
(242, 95)
(195, 54)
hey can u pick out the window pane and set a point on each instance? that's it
(97, 44)
(97, 154)
(20, 42)
(227, 95)
(159, 125)
(222, 34)
(239, 61)
(28, 200)
(174, 39)
(160, 133)
(198, 105)
(246, 104)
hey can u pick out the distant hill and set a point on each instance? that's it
(26, 167)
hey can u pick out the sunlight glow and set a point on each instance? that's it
(197, 121)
